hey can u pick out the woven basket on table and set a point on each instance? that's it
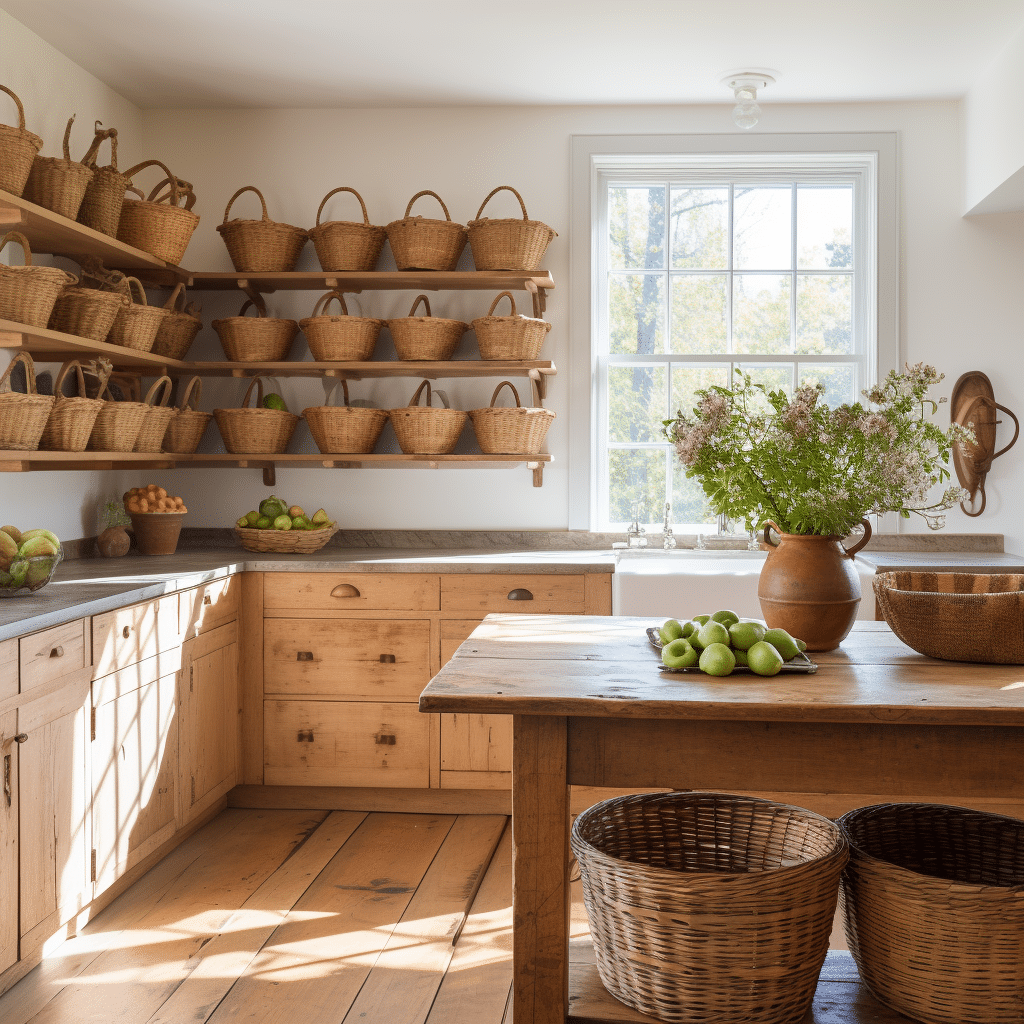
(22, 416)
(423, 430)
(136, 324)
(928, 612)
(18, 148)
(179, 328)
(344, 244)
(87, 312)
(419, 243)
(261, 246)
(518, 431)
(28, 293)
(934, 907)
(73, 417)
(259, 339)
(509, 337)
(299, 542)
(158, 225)
(117, 425)
(256, 431)
(186, 427)
(342, 430)
(341, 338)
(158, 414)
(104, 195)
(58, 184)
(508, 243)
(709, 907)
(425, 337)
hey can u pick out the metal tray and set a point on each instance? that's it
(801, 663)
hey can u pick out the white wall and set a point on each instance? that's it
(52, 88)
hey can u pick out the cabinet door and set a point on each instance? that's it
(54, 799)
(9, 842)
(134, 763)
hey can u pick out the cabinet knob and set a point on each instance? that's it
(387, 659)
(345, 590)
(57, 652)
(305, 736)
(126, 632)
(520, 594)
(207, 599)
(21, 737)
(303, 655)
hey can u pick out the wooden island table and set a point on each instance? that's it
(592, 707)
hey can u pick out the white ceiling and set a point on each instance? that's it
(382, 53)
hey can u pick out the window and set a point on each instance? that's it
(704, 265)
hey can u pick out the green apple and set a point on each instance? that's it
(671, 630)
(717, 660)
(726, 617)
(713, 633)
(744, 635)
(782, 642)
(678, 654)
(764, 659)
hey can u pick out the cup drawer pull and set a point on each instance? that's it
(345, 590)
(520, 594)
(387, 659)
(57, 652)
(126, 632)
(303, 655)
(385, 739)
(207, 599)
(305, 736)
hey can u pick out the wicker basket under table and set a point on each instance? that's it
(297, 542)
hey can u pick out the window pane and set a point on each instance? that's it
(699, 313)
(688, 380)
(762, 228)
(636, 403)
(700, 228)
(689, 504)
(824, 313)
(636, 475)
(774, 376)
(824, 226)
(636, 228)
(838, 381)
(636, 314)
(760, 312)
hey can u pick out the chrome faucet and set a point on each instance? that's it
(636, 531)
(666, 530)
(723, 526)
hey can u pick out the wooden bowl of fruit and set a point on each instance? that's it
(285, 529)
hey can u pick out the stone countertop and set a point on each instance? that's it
(981, 562)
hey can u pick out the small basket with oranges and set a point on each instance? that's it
(156, 518)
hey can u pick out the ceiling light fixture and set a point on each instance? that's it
(744, 84)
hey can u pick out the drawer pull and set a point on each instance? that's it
(385, 739)
(387, 659)
(207, 599)
(126, 632)
(520, 594)
(7, 778)
(305, 736)
(303, 655)
(345, 590)
(57, 652)
(21, 737)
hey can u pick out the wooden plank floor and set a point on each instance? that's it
(295, 917)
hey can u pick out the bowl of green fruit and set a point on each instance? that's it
(27, 560)
(278, 526)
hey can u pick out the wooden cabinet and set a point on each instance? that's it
(131, 635)
(204, 608)
(348, 592)
(8, 840)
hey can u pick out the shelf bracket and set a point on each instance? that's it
(269, 475)
(11, 216)
(538, 473)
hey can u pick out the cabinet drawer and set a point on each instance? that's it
(453, 633)
(480, 593)
(476, 743)
(342, 592)
(334, 743)
(129, 635)
(52, 653)
(351, 659)
(206, 607)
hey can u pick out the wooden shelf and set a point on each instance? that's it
(49, 232)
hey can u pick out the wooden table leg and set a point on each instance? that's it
(540, 876)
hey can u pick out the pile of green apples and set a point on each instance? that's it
(276, 514)
(717, 643)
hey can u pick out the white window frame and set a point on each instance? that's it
(870, 158)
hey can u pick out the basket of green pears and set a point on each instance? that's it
(278, 526)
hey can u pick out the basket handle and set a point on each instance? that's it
(426, 303)
(257, 304)
(247, 188)
(178, 293)
(102, 369)
(511, 298)
(127, 283)
(495, 191)
(165, 383)
(67, 138)
(769, 525)
(325, 300)
(21, 109)
(30, 374)
(258, 381)
(17, 236)
(100, 135)
(171, 179)
(344, 188)
(850, 552)
(184, 192)
(506, 383)
(427, 192)
(193, 392)
(344, 392)
(58, 384)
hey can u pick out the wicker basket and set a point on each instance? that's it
(117, 425)
(136, 324)
(344, 430)
(187, 425)
(339, 338)
(422, 430)
(508, 243)
(28, 293)
(104, 196)
(934, 906)
(158, 225)
(261, 246)
(158, 415)
(419, 243)
(255, 431)
(58, 184)
(18, 148)
(425, 337)
(72, 418)
(22, 416)
(517, 431)
(509, 337)
(261, 339)
(298, 542)
(345, 244)
(928, 612)
(179, 328)
(709, 907)
(87, 312)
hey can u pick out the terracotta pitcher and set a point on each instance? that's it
(809, 586)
